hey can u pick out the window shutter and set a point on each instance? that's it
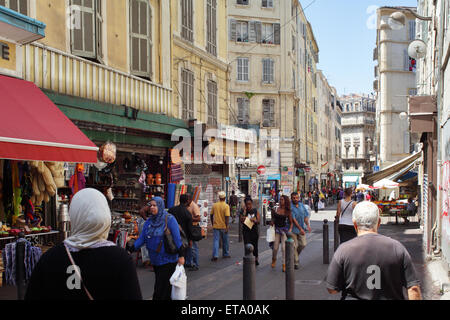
(276, 31)
(20, 6)
(271, 71)
(412, 30)
(264, 62)
(405, 60)
(246, 111)
(252, 31)
(232, 30)
(258, 28)
(240, 110)
(99, 31)
(266, 113)
(140, 38)
(272, 113)
(83, 40)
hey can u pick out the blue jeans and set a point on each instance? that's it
(192, 255)
(220, 233)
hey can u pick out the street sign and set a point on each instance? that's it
(261, 170)
(376, 168)
(261, 179)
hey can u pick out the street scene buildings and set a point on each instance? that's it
(142, 99)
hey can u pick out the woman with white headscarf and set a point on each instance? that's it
(86, 265)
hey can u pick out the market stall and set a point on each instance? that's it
(36, 139)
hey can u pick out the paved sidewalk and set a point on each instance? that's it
(223, 280)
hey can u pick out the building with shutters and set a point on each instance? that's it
(358, 137)
(329, 116)
(107, 66)
(263, 57)
(395, 81)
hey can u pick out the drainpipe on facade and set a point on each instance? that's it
(438, 127)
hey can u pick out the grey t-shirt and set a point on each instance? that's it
(372, 267)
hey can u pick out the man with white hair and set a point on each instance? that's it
(372, 266)
(220, 216)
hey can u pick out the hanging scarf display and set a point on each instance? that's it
(32, 256)
(77, 181)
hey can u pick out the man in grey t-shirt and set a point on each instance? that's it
(372, 266)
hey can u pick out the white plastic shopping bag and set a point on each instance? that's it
(270, 234)
(179, 283)
(321, 205)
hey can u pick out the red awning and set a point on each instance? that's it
(33, 128)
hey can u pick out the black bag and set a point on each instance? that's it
(196, 233)
(169, 243)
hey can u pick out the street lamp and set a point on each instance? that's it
(397, 20)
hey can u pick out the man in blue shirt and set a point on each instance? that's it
(300, 218)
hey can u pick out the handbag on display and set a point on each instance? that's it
(197, 233)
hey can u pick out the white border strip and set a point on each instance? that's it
(47, 144)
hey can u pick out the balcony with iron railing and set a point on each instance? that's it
(67, 74)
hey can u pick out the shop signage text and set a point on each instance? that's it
(7, 55)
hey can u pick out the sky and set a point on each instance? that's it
(345, 31)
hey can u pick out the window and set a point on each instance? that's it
(267, 33)
(293, 78)
(409, 63)
(187, 17)
(268, 113)
(242, 31)
(211, 26)
(187, 94)
(242, 69)
(412, 30)
(212, 103)
(140, 38)
(20, 6)
(267, 3)
(244, 2)
(268, 71)
(243, 110)
(294, 40)
(87, 41)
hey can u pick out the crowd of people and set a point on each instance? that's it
(167, 237)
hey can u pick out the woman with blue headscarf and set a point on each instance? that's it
(152, 236)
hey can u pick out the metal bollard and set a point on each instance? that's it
(20, 268)
(326, 247)
(240, 230)
(290, 275)
(249, 274)
(336, 235)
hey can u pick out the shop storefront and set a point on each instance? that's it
(36, 141)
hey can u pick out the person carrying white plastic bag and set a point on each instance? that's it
(270, 234)
(179, 283)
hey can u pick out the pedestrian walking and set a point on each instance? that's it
(344, 217)
(372, 266)
(184, 219)
(300, 220)
(250, 231)
(282, 220)
(233, 202)
(316, 201)
(192, 257)
(164, 263)
(107, 270)
(220, 216)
